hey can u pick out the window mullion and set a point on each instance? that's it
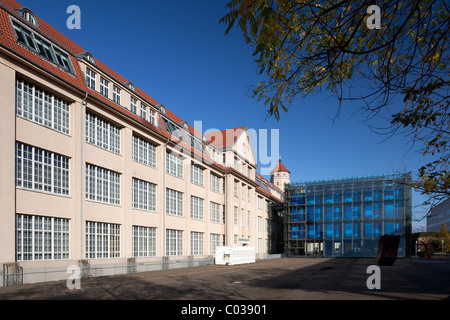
(33, 240)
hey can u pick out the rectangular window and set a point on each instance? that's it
(143, 111)
(104, 87)
(235, 188)
(235, 218)
(215, 183)
(215, 212)
(116, 95)
(102, 185)
(102, 240)
(214, 242)
(144, 152)
(41, 170)
(90, 79)
(144, 242)
(42, 107)
(144, 195)
(152, 117)
(174, 202)
(196, 208)
(260, 227)
(41, 238)
(133, 105)
(102, 133)
(368, 230)
(196, 243)
(196, 175)
(174, 242)
(174, 164)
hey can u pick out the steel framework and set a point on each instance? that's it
(347, 217)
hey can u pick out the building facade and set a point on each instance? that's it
(94, 169)
(439, 215)
(346, 217)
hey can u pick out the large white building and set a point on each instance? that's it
(95, 169)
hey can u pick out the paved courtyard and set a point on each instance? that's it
(273, 279)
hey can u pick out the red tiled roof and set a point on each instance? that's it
(8, 39)
(225, 138)
(280, 168)
(219, 139)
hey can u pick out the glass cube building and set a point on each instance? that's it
(347, 217)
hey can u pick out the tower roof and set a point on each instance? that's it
(280, 168)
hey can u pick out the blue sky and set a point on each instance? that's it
(177, 52)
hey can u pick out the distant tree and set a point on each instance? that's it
(445, 236)
(399, 72)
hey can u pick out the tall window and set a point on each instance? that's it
(196, 175)
(133, 105)
(144, 152)
(104, 87)
(144, 242)
(235, 217)
(174, 202)
(143, 111)
(102, 185)
(196, 208)
(174, 164)
(41, 170)
(174, 242)
(152, 117)
(214, 242)
(90, 78)
(144, 195)
(215, 184)
(42, 107)
(196, 243)
(41, 238)
(215, 212)
(102, 240)
(116, 95)
(102, 133)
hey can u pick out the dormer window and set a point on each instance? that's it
(28, 15)
(90, 58)
(130, 86)
(173, 129)
(40, 46)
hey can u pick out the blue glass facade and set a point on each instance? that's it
(346, 217)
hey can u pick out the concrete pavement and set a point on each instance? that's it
(273, 279)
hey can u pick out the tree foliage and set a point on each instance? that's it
(401, 70)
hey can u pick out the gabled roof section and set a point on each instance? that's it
(224, 139)
(280, 168)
